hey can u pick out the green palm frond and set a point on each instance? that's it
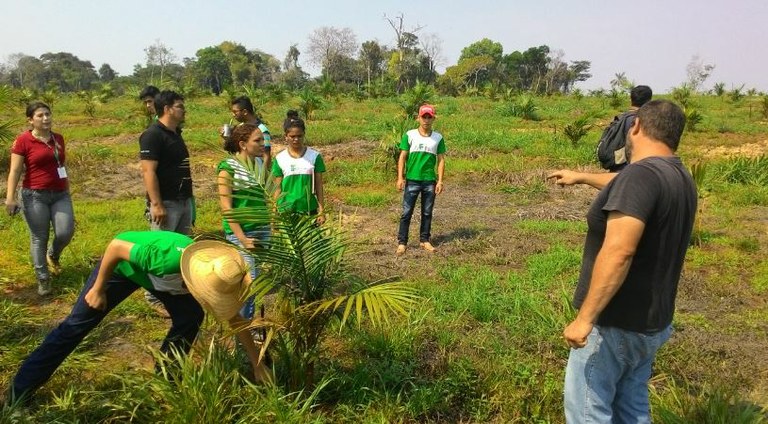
(380, 301)
(6, 131)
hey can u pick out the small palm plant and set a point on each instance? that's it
(6, 133)
(524, 107)
(615, 98)
(764, 106)
(699, 172)
(309, 102)
(692, 119)
(577, 129)
(412, 99)
(719, 89)
(305, 264)
(682, 95)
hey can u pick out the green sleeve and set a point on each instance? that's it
(441, 146)
(404, 144)
(319, 164)
(224, 166)
(276, 170)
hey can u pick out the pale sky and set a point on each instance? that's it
(651, 41)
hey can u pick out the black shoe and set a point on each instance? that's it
(17, 401)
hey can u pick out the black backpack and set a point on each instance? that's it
(611, 150)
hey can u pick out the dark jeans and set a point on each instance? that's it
(186, 318)
(410, 193)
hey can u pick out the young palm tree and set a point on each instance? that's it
(6, 133)
(305, 265)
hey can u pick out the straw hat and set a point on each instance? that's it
(217, 277)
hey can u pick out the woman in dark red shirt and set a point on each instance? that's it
(44, 194)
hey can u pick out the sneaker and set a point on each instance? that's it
(44, 287)
(427, 246)
(54, 266)
(401, 248)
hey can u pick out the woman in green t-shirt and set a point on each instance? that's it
(240, 181)
(298, 172)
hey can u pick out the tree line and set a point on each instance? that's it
(371, 68)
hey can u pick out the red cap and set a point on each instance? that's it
(426, 110)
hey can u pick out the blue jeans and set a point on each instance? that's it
(43, 209)
(261, 235)
(410, 193)
(607, 380)
(186, 318)
(179, 216)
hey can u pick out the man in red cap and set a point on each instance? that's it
(420, 170)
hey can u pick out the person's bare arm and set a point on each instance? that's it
(440, 173)
(278, 187)
(14, 175)
(597, 180)
(152, 185)
(116, 251)
(260, 371)
(319, 192)
(622, 235)
(401, 169)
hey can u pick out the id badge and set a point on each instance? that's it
(62, 172)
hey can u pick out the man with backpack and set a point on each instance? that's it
(611, 150)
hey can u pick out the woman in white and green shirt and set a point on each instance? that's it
(240, 185)
(298, 172)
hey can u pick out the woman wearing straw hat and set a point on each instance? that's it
(133, 259)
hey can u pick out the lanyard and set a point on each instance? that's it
(55, 148)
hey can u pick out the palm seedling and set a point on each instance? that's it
(305, 265)
(411, 100)
(577, 129)
(309, 102)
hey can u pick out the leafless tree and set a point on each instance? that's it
(402, 35)
(327, 45)
(432, 46)
(698, 72)
(159, 55)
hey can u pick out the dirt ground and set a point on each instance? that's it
(474, 221)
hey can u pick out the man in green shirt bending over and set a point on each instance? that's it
(421, 150)
(132, 260)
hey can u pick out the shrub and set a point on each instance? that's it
(764, 106)
(682, 95)
(737, 94)
(309, 102)
(577, 129)
(719, 89)
(412, 99)
(524, 107)
(678, 404)
(692, 118)
(615, 98)
(743, 170)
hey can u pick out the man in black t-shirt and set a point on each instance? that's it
(165, 167)
(639, 228)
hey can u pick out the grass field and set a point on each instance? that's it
(484, 345)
